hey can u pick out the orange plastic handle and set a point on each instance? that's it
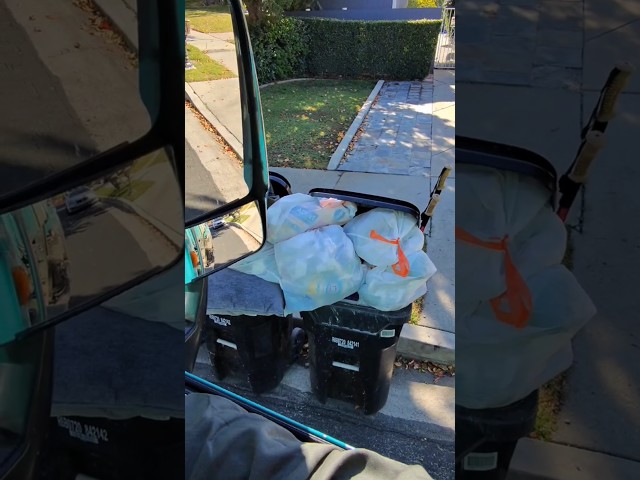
(517, 295)
(22, 285)
(194, 258)
(402, 267)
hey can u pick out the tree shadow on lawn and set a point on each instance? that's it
(306, 121)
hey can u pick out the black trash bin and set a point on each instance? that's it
(247, 333)
(487, 438)
(258, 348)
(352, 349)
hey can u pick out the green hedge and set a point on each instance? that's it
(280, 49)
(398, 50)
(313, 47)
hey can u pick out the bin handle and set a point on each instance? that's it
(434, 198)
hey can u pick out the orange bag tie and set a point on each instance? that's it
(402, 267)
(517, 295)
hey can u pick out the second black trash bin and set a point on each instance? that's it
(352, 349)
(247, 331)
(258, 347)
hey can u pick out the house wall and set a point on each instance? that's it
(355, 4)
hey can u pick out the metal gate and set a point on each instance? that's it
(446, 47)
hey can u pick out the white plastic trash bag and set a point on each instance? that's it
(262, 264)
(503, 364)
(317, 268)
(380, 234)
(299, 213)
(517, 306)
(505, 204)
(384, 290)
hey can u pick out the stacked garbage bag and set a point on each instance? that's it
(321, 251)
(517, 305)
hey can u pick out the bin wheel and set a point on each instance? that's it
(296, 341)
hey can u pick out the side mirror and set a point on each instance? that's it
(237, 177)
(56, 254)
(217, 243)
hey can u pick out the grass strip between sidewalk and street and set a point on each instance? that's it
(552, 393)
(211, 19)
(206, 69)
(305, 121)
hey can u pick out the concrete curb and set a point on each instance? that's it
(167, 232)
(123, 17)
(424, 343)
(201, 107)
(537, 460)
(336, 158)
(242, 227)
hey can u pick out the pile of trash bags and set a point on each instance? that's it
(321, 251)
(517, 305)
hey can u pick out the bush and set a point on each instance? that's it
(424, 4)
(280, 49)
(361, 49)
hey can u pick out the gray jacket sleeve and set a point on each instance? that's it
(223, 441)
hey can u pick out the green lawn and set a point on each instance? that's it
(206, 68)
(305, 121)
(215, 19)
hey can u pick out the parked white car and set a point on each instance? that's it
(79, 199)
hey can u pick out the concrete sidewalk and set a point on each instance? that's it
(565, 51)
(395, 136)
(219, 100)
(218, 46)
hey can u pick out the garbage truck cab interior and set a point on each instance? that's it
(40, 290)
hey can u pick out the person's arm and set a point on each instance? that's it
(224, 441)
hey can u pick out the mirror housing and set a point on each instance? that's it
(223, 240)
(56, 253)
(201, 235)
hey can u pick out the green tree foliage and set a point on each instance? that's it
(424, 4)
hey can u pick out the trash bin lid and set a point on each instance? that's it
(367, 202)
(472, 151)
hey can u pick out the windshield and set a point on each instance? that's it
(81, 101)
(71, 91)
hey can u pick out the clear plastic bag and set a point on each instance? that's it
(380, 235)
(505, 364)
(317, 268)
(385, 290)
(517, 307)
(299, 213)
(262, 264)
